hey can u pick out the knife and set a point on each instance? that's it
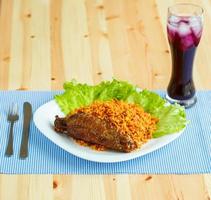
(27, 110)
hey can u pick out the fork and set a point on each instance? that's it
(12, 118)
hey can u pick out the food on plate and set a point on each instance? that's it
(87, 117)
(114, 124)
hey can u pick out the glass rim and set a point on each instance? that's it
(170, 8)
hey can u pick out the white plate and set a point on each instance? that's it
(44, 120)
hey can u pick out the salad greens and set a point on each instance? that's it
(171, 117)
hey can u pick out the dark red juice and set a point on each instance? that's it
(184, 35)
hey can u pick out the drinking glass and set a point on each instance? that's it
(184, 29)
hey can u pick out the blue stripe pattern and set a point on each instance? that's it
(189, 154)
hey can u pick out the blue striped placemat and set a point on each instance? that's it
(189, 154)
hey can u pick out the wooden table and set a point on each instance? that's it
(45, 42)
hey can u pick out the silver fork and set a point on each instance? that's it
(12, 118)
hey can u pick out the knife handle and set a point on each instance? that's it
(24, 143)
(25, 134)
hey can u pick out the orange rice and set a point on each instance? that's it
(96, 147)
(127, 118)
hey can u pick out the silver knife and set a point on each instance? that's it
(27, 110)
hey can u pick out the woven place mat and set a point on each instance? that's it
(189, 154)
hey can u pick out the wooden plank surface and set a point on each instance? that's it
(45, 42)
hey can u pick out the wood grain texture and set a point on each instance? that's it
(45, 42)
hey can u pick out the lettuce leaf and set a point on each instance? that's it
(172, 118)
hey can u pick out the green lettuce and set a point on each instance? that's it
(172, 118)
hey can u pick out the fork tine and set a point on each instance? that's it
(10, 110)
(15, 109)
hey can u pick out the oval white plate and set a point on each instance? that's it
(44, 120)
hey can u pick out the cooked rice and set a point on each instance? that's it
(97, 147)
(128, 119)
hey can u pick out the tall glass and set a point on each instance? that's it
(184, 28)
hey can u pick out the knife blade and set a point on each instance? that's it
(27, 110)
